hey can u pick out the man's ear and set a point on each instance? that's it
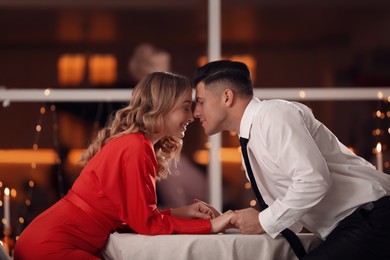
(228, 96)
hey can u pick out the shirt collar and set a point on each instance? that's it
(246, 119)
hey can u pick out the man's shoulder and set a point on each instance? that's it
(274, 105)
(269, 111)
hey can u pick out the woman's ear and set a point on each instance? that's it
(228, 96)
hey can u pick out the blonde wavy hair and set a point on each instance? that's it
(153, 97)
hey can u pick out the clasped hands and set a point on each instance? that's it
(245, 219)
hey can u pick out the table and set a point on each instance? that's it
(232, 245)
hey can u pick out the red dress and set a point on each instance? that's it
(117, 188)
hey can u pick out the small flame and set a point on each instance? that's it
(378, 147)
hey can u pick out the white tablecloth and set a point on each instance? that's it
(193, 247)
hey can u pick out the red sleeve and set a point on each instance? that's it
(166, 212)
(139, 179)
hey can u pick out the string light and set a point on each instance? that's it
(252, 203)
(46, 92)
(39, 128)
(59, 173)
(33, 166)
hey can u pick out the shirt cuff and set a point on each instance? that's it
(269, 224)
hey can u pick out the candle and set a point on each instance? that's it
(7, 215)
(379, 157)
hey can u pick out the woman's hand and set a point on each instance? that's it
(221, 223)
(214, 210)
(199, 209)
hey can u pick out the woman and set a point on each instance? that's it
(116, 188)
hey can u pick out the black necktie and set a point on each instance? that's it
(291, 237)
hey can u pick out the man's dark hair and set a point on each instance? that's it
(234, 73)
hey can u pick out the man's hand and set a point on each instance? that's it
(247, 220)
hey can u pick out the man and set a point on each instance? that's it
(306, 176)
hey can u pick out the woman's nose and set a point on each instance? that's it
(191, 118)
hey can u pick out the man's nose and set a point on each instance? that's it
(196, 112)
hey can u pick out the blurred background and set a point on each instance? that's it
(92, 44)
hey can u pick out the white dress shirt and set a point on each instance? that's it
(306, 176)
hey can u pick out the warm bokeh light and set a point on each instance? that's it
(352, 149)
(74, 156)
(378, 113)
(229, 155)
(47, 92)
(28, 156)
(34, 157)
(376, 132)
(42, 110)
(102, 69)
(13, 193)
(387, 164)
(71, 69)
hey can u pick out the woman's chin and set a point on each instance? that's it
(180, 135)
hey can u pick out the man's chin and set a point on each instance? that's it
(210, 132)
